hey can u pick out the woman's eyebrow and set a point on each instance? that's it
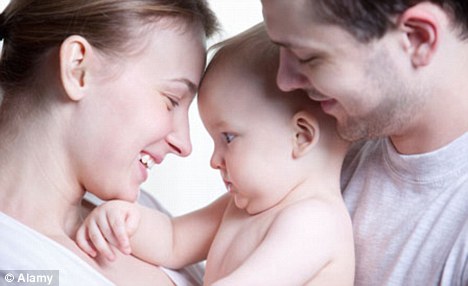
(192, 87)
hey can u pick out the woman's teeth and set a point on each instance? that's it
(147, 161)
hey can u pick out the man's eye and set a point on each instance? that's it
(307, 60)
(228, 137)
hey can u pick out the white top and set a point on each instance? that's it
(410, 214)
(22, 248)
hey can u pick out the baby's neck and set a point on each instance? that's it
(321, 174)
(319, 185)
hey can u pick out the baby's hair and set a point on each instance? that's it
(252, 46)
(253, 51)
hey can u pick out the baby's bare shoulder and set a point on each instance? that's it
(313, 207)
(328, 216)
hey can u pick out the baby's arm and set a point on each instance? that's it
(111, 223)
(151, 235)
(302, 240)
(181, 240)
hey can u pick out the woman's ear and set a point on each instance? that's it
(306, 133)
(75, 56)
(421, 24)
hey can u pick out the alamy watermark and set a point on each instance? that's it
(29, 277)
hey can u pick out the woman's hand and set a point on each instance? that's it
(112, 223)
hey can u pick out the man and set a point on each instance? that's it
(394, 73)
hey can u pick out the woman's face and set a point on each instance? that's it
(138, 109)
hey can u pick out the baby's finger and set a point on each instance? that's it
(132, 221)
(100, 242)
(83, 242)
(106, 230)
(117, 223)
(124, 242)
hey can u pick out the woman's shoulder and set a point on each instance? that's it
(24, 248)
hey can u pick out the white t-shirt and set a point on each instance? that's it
(410, 214)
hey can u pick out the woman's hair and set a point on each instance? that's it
(30, 28)
(370, 19)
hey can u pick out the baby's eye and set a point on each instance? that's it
(228, 137)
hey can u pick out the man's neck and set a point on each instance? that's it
(442, 122)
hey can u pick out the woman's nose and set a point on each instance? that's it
(289, 76)
(179, 140)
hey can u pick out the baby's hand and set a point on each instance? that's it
(112, 223)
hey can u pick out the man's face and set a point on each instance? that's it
(363, 85)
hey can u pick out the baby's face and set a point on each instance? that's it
(253, 138)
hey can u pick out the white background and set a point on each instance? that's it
(185, 184)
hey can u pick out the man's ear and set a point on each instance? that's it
(75, 56)
(306, 133)
(421, 24)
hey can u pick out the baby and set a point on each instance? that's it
(283, 221)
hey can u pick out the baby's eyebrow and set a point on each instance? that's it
(218, 124)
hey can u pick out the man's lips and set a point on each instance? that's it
(327, 105)
(325, 102)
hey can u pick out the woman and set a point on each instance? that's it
(94, 94)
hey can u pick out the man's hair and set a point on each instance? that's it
(371, 19)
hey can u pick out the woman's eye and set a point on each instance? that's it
(228, 137)
(173, 103)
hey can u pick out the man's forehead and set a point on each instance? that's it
(286, 25)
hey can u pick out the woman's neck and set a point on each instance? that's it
(36, 185)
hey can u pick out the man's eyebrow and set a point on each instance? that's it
(281, 44)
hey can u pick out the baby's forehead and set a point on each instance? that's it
(241, 69)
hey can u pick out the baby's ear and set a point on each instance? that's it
(306, 133)
(75, 57)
